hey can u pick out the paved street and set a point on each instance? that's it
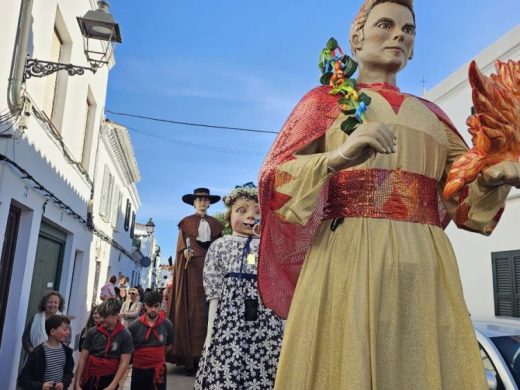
(176, 379)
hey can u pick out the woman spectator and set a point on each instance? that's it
(131, 308)
(34, 334)
(123, 281)
(122, 295)
(108, 291)
(93, 320)
(166, 297)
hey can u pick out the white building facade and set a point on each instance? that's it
(54, 228)
(489, 266)
(164, 275)
(116, 202)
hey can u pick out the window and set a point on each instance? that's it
(52, 86)
(104, 192)
(96, 282)
(506, 283)
(127, 215)
(133, 225)
(117, 197)
(86, 148)
(490, 368)
(107, 194)
(55, 85)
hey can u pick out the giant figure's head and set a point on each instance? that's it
(383, 34)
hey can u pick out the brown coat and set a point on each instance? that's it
(188, 310)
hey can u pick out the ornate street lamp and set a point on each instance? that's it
(150, 226)
(99, 26)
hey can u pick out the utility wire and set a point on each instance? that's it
(190, 123)
(196, 146)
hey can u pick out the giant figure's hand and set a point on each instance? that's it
(212, 314)
(361, 144)
(188, 254)
(505, 172)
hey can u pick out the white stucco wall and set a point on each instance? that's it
(473, 251)
(39, 153)
(113, 262)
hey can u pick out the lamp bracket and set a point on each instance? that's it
(38, 68)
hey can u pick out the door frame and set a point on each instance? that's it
(7, 259)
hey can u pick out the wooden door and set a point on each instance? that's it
(47, 266)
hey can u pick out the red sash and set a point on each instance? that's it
(151, 357)
(97, 367)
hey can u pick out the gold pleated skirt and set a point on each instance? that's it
(379, 306)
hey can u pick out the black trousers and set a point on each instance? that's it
(95, 384)
(142, 379)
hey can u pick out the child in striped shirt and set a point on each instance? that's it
(50, 365)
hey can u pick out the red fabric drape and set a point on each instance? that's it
(283, 246)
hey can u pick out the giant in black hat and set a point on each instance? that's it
(200, 193)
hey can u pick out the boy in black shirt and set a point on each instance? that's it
(106, 351)
(50, 365)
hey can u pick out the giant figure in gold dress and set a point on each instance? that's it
(352, 230)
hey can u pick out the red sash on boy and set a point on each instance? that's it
(96, 367)
(151, 357)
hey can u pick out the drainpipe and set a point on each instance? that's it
(14, 97)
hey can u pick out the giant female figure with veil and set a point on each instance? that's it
(353, 249)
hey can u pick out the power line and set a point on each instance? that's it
(190, 123)
(197, 146)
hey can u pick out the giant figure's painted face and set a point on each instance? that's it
(387, 39)
(201, 204)
(244, 214)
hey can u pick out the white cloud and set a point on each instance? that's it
(218, 82)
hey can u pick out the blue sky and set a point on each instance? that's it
(246, 64)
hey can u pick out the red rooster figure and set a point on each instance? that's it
(495, 128)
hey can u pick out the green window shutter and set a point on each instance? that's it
(506, 283)
(516, 265)
(503, 285)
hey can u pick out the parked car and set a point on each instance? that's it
(499, 342)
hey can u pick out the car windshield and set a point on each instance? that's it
(509, 347)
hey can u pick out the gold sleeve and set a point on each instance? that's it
(302, 180)
(476, 207)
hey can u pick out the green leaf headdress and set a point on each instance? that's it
(248, 191)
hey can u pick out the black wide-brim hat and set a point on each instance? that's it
(200, 193)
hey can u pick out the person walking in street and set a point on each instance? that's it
(123, 295)
(196, 233)
(108, 290)
(50, 365)
(152, 335)
(131, 308)
(34, 334)
(106, 351)
(93, 320)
